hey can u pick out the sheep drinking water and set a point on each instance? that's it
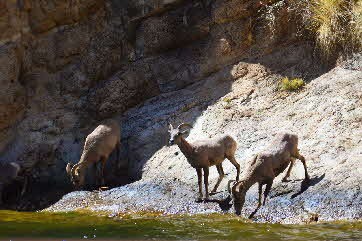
(98, 146)
(265, 166)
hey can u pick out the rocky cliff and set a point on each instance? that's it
(326, 115)
(66, 65)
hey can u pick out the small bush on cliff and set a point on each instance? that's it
(227, 100)
(291, 85)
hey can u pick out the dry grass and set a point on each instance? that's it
(328, 23)
(356, 25)
(336, 25)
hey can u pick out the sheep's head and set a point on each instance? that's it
(238, 193)
(176, 133)
(75, 177)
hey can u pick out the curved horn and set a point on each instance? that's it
(183, 125)
(73, 171)
(69, 168)
(229, 182)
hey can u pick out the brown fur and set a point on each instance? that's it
(265, 166)
(98, 146)
(203, 154)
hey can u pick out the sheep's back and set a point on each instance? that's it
(283, 142)
(214, 148)
(103, 139)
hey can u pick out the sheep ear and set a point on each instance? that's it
(184, 125)
(170, 128)
(68, 169)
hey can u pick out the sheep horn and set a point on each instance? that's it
(73, 171)
(69, 168)
(183, 125)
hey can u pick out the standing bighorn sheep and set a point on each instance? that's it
(203, 154)
(8, 173)
(98, 146)
(265, 166)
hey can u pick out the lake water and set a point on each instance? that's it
(146, 226)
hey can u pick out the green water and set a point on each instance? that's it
(75, 225)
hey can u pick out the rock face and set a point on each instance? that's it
(67, 65)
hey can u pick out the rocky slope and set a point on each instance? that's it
(325, 114)
(66, 65)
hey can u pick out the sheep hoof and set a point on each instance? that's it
(213, 193)
(199, 200)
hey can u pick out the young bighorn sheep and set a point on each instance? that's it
(8, 173)
(203, 154)
(265, 166)
(98, 146)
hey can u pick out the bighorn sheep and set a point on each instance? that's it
(265, 166)
(98, 146)
(203, 154)
(8, 172)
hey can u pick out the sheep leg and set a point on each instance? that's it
(206, 182)
(220, 170)
(300, 157)
(1, 193)
(259, 201)
(184, 18)
(199, 181)
(103, 161)
(237, 166)
(96, 178)
(25, 185)
(118, 150)
(267, 189)
(260, 194)
(292, 162)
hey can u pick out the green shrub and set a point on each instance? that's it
(227, 100)
(291, 85)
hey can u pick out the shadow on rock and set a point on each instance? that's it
(224, 204)
(308, 183)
